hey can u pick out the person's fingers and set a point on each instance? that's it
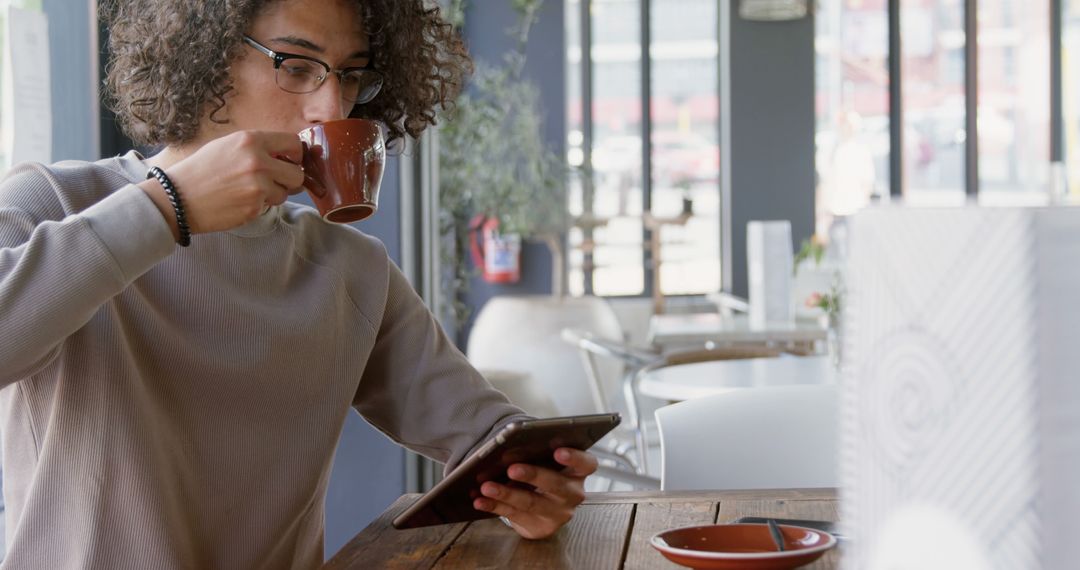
(297, 190)
(558, 487)
(277, 196)
(578, 463)
(493, 506)
(525, 524)
(286, 174)
(267, 190)
(283, 146)
(524, 500)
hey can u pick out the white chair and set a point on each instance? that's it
(638, 362)
(753, 438)
(521, 335)
(728, 304)
(523, 391)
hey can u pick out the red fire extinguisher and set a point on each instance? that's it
(498, 254)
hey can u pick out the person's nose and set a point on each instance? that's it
(325, 103)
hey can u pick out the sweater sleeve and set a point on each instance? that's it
(419, 389)
(56, 273)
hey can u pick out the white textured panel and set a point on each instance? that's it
(769, 266)
(941, 378)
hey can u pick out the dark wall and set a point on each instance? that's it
(485, 32)
(72, 55)
(772, 129)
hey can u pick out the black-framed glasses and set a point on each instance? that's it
(302, 74)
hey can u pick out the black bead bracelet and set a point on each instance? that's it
(174, 199)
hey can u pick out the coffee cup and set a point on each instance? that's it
(343, 168)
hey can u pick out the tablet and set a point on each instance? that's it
(532, 441)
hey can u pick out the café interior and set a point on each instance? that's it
(815, 253)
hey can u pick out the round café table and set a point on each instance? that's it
(686, 381)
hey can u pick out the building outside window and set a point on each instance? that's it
(1070, 64)
(612, 259)
(685, 141)
(1014, 96)
(852, 107)
(1013, 111)
(932, 69)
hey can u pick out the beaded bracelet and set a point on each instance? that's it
(174, 199)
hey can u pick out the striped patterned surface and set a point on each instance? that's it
(940, 380)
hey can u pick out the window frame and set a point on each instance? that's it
(971, 96)
(588, 138)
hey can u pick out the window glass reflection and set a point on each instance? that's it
(575, 150)
(932, 65)
(617, 154)
(685, 147)
(1014, 97)
(1070, 58)
(852, 106)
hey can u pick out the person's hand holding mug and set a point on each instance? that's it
(229, 181)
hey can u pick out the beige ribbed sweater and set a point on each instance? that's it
(167, 407)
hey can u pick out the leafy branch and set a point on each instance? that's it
(811, 248)
(494, 161)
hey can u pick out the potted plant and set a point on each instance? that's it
(494, 163)
(821, 288)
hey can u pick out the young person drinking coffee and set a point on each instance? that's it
(167, 406)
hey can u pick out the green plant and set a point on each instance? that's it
(829, 302)
(493, 161)
(811, 248)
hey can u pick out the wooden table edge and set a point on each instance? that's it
(812, 494)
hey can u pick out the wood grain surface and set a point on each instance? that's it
(609, 530)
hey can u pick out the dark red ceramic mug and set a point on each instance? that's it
(343, 168)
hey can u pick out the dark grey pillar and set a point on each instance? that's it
(73, 50)
(772, 129)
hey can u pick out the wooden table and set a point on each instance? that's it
(673, 331)
(610, 530)
(687, 381)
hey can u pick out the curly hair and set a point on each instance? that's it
(170, 63)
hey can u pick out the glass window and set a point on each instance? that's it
(1014, 100)
(852, 106)
(685, 157)
(1070, 72)
(685, 147)
(575, 150)
(618, 267)
(932, 64)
